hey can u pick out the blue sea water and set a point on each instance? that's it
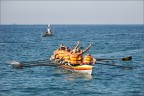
(24, 43)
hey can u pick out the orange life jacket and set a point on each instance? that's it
(67, 57)
(87, 59)
(55, 55)
(75, 59)
(55, 51)
(61, 53)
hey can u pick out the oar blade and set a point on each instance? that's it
(114, 64)
(127, 58)
(123, 59)
(16, 64)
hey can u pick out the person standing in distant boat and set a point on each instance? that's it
(49, 30)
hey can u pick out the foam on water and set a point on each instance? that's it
(13, 62)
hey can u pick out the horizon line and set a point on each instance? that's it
(76, 24)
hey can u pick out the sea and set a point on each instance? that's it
(24, 43)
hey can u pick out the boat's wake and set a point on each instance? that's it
(15, 64)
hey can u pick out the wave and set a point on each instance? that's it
(13, 62)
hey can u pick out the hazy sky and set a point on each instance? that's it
(72, 12)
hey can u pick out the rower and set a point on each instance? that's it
(57, 51)
(63, 52)
(55, 54)
(88, 59)
(76, 56)
(66, 57)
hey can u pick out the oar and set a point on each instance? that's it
(125, 67)
(38, 61)
(123, 59)
(21, 65)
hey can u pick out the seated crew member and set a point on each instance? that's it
(66, 57)
(58, 53)
(55, 54)
(62, 50)
(76, 56)
(88, 59)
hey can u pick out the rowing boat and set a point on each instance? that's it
(84, 69)
(48, 33)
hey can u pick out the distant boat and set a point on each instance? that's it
(48, 33)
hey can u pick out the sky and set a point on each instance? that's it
(72, 12)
